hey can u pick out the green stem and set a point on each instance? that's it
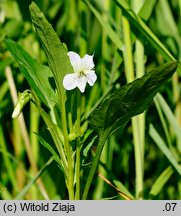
(129, 68)
(34, 123)
(127, 54)
(77, 195)
(102, 140)
(176, 97)
(67, 147)
(70, 183)
(103, 71)
(139, 139)
(100, 184)
(78, 147)
(140, 70)
(138, 158)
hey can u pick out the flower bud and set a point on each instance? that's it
(23, 99)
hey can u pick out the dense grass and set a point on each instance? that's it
(139, 161)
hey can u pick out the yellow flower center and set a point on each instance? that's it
(81, 73)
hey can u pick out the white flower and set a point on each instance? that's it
(83, 72)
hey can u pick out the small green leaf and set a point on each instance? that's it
(56, 135)
(38, 76)
(55, 51)
(130, 100)
(51, 150)
(87, 149)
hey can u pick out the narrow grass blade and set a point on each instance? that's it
(144, 29)
(162, 146)
(107, 28)
(166, 19)
(21, 195)
(4, 193)
(122, 194)
(7, 162)
(146, 9)
(3, 90)
(163, 121)
(161, 181)
(169, 115)
(117, 183)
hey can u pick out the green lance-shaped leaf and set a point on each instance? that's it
(51, 150)
(55, 51)
(38, 76)
(130, 100)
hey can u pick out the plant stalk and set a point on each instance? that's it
(78, 147)
(101, 143)
(129, 69)
(68, 151)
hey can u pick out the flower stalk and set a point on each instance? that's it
(78, 146)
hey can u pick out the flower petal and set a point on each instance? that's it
(70, 81)
(87, 62)
(75, 61)
(81, 84)
(91, 77)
